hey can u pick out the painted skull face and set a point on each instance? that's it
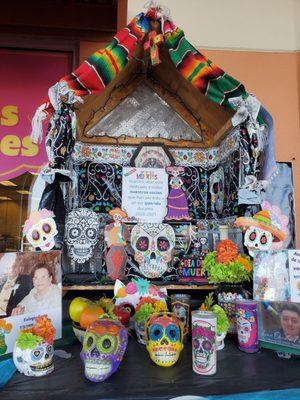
(82, 233)
(104, 345)
(244, 329)
(34, 362)
(217, 189)
(257, 239)
(40, 229)
(164, 335)
(204, 342)
(153, 245)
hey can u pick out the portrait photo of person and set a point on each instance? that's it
(280, 323)
(17, 284)
(44, 294)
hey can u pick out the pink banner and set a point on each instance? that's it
(25, 77)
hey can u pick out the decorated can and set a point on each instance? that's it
(246, 322)
(180, 306)
(204, 332)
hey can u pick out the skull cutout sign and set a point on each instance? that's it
(153, 245)
(217, 189)
(104, 345)
(40, 229)
(260, 231)
(164, 335)
(81, 233)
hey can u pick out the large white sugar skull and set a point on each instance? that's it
(35, 361)
(164, 335)
(257, 239)
(204, 343)
(217, 189)
(82, 231)
(153, 245)
(104, 345)
(40, 229)
(244, 329)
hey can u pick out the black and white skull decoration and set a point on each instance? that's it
(217, 189)
(82, 231)
(153, 245)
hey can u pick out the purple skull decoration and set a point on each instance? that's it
(104, 345)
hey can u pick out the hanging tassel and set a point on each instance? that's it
(37, 124)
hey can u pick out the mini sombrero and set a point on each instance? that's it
(117, 211)
(261, 220)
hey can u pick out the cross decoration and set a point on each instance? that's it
(152, 44)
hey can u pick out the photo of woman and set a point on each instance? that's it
(29, 282)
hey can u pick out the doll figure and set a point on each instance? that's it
(177, 201)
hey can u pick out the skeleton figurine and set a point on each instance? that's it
(153, 245)
(260, 231)
(82, 233)
(217, 190)
(40, 229)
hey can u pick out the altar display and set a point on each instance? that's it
(171, 186)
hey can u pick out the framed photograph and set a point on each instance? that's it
(279, 326)
(30, 286)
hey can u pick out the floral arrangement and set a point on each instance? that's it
(43, 330)
(227, 265)
(148, 306)
(222, 319)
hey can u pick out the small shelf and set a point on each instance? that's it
(111, 287)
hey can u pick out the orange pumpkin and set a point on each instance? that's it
(90, 314)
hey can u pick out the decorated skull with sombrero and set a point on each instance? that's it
(260, 231)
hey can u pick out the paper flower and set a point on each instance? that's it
(226, 251)
(142, 285)
(160, 306)
(44, 328)
(246, 262)
(28, 340)
(222, 319)
(145, 300)
(131, 288)
(144, 313)
(122, 292)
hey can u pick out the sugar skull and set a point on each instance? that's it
(82, 232)
(204, 343)
(244, 329)
(153, 245)
(40, 229)
(104, 345)
(257, 239)
(217, 189)
(33, 350)
(164, 335)
(35, 361)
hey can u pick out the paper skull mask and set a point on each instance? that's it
(82, 231)
(164, 335)
(153, 245)
(217, 189)
(104, 345)
(40, 229)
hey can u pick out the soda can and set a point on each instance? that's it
(180, 306)
(246, 322)
(204, 338)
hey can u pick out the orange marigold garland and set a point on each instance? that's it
(227, 251)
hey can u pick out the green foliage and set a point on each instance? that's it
(222, 319)
(28, 340)
(232, 272)
(144, 313)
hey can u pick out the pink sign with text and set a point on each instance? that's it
(25, 77)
